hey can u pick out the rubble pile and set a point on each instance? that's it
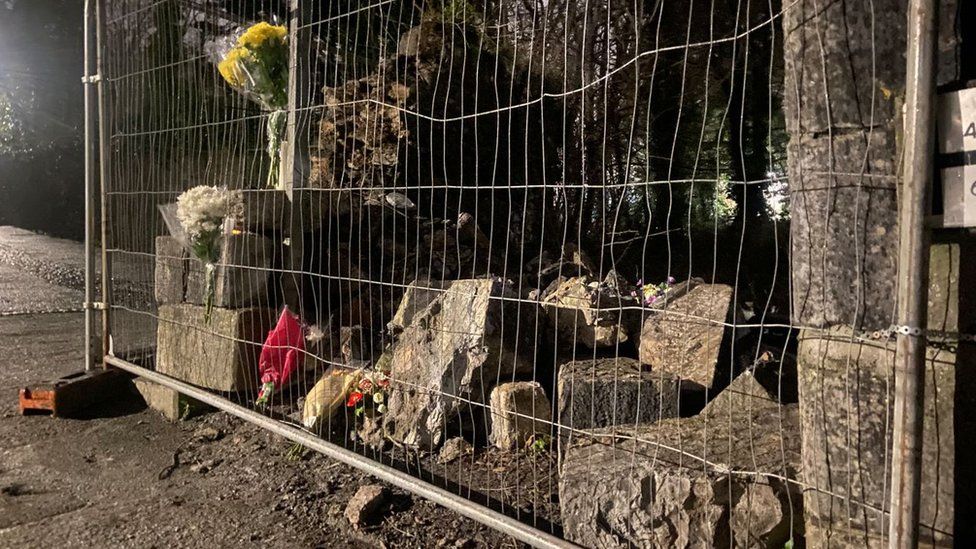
(425, 330)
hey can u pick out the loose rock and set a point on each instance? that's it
(215, 355)
(170, 272)
(597, 314)
(617, 391)
(454, 448)
(519, 412)
(364, 504)
(466, 335)
(685, 338)
(632, 486)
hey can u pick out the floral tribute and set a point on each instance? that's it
(369, 394)
(203, 212)
(649, 294)
(257, 66)
(281, 355)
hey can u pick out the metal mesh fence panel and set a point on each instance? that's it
(620, 271)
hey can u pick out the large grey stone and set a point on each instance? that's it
(520, 411)
(688, 482)
(243, 273)
(843, 228)
(842, 119)
(846, 411)
(944, 276)
(416, 297)
(473, 334)
(607, 392)
(221, 355)
(685, 337)
(843, 115)
(170, 271)
(171, 404)
(597, 314)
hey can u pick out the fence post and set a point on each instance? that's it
(90, 115)
(906, 474)
(294, 164)
(103, 169)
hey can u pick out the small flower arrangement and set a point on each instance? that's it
(648, 294)
(257, 66)
(203, 211)
(370, 392)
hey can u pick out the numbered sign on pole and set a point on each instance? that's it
(957, 157)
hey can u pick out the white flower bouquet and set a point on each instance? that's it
(203, 213)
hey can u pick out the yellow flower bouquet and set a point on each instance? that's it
(257, 66)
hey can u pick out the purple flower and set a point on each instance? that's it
(670, 280)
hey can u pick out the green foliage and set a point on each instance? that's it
(297, 452)
(711, 203)
(539, 444)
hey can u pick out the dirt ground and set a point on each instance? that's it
(125, 477)
(110, 480)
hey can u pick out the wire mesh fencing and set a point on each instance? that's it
(620, 271)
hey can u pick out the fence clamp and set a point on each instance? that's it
(92, 79)
(95, 305)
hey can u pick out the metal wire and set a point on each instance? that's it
(482, 197)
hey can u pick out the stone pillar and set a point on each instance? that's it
(845, 79)
(846, 398)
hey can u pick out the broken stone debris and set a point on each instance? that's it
(416, 297)
(453, 449)
(597, 314)
(520, 412)
(466, 336)
(362, 507)
(685, 337)
(640, 486)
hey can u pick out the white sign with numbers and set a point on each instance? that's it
(957, 136)
(957, 121)
(959, 196)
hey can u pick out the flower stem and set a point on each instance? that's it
(277, 121)
(210, 271)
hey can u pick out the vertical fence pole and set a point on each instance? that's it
(103, 171)
(906, 474)
(89, 81)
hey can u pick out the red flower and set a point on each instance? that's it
(354, 398)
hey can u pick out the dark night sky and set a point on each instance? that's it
(41, 115)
